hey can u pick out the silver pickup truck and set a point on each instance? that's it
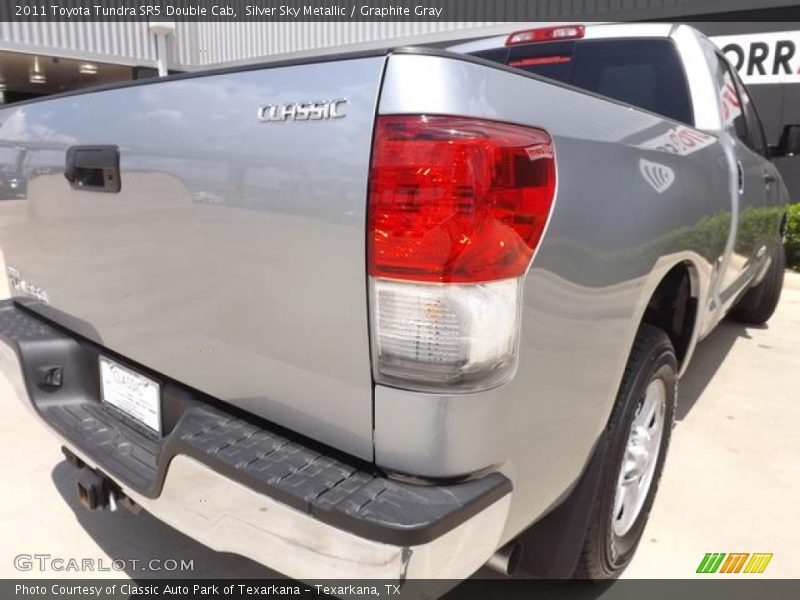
(394, 314)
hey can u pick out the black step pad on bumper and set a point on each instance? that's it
(62, 378)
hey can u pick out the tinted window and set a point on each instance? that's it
(731, 103)
(738, 110)
(755, 131)
(643, 72)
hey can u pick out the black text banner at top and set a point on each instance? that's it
(383, 10)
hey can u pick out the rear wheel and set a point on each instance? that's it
(758, 305)
(638, 437)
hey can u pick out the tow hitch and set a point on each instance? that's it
(95, 490)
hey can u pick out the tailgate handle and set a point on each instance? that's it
(94, 168)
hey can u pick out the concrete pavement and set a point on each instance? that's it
(731, 480)
(730, 483)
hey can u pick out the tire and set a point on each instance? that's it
(650, 379)
(758, 305)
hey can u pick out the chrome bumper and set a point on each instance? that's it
(228, 516)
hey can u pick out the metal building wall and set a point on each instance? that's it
(197, 45)
(123, 43)
(203, 44)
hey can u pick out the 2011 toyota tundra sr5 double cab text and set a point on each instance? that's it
(393, 314)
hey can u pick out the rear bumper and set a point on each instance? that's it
(243, 486)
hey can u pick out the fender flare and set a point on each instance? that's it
(552, 545)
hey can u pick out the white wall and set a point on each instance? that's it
(197, 45)
(202, 44)
(124, 43)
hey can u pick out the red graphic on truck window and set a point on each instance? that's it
(731, 107)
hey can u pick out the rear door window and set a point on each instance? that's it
(738, 109)
(755, 130)
(731, 102)
(646, 73)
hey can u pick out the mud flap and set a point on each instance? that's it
(552, 546)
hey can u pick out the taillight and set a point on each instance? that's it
(457, 207)
(546, 34)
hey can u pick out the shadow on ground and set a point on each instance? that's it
(123, 535)
(708, 357)
(142, 537)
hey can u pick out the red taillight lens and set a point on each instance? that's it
(456, 199)
(546, 34)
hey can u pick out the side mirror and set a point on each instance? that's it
(789, 144)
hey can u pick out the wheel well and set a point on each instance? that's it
(673, 308)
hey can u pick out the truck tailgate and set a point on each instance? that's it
(233, 257)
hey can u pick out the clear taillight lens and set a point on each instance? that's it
(438, 335)
(457, 207)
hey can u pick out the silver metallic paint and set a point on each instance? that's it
(611, 239)
(230, 517)
(232, 259)
(255, 290)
